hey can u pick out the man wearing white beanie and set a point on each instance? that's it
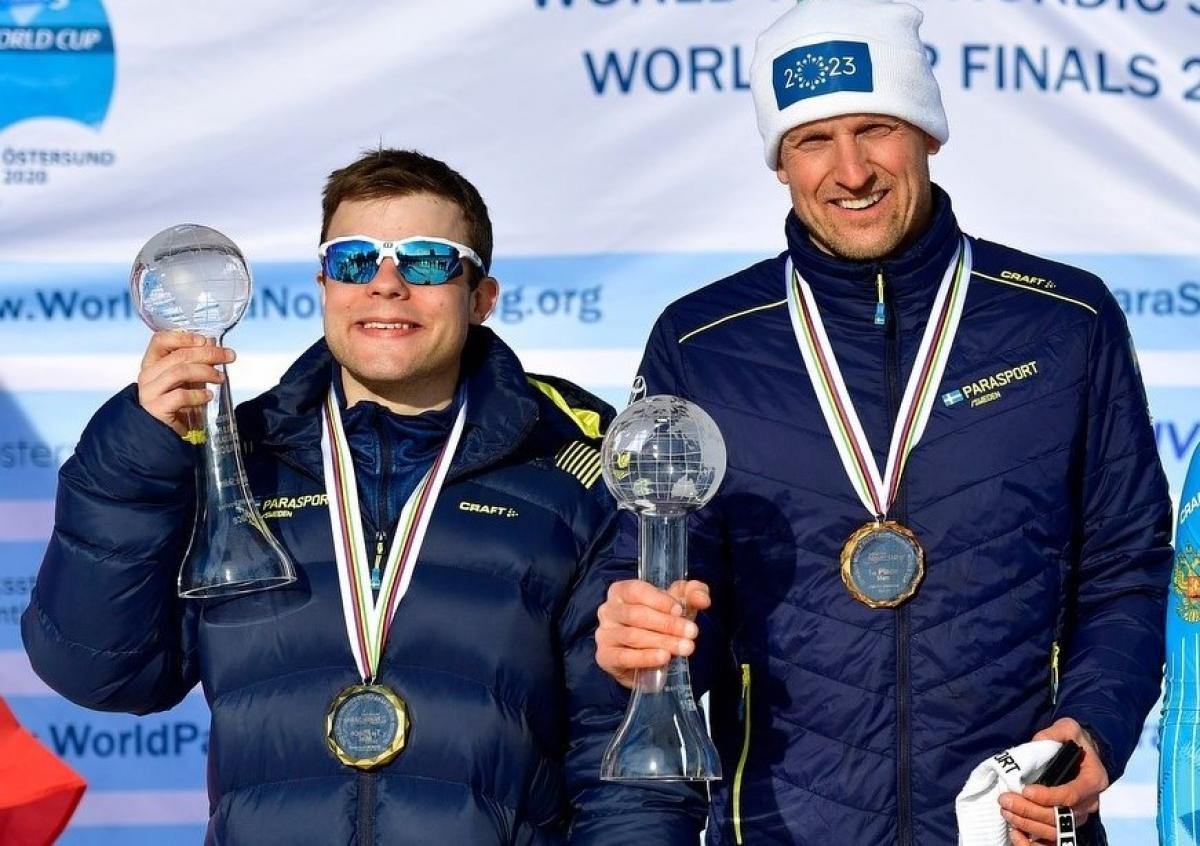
(944, 530)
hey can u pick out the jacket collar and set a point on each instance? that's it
(847, 288)
(500, 409)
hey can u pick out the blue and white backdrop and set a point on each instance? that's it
(614, 141)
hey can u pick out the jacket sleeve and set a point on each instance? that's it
(1113, 654)
(604, 813)
(104, 626)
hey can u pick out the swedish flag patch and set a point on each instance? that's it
(581, 460)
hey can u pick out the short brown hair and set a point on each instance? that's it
(398, 173)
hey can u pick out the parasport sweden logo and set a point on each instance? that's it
(56, 60)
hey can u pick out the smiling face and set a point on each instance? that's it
(400, 344)
(860, 183)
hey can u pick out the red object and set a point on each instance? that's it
(38, 792)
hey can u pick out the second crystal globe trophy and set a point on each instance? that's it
(194, 279)
(663, 457)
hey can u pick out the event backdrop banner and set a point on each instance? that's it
(615, 143)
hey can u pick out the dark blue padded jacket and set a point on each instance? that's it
(491, 648)
(1039, 499)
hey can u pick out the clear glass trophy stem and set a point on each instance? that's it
(663, 736)
(663, 553)
(232, 550)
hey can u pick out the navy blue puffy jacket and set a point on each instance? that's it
(491, 648)
(1039, 499)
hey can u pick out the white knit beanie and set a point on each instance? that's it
(826, 58)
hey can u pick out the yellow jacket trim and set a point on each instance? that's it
(581, 460)
(733, 316)
(741, 766)
(587, 420)
(1032, 290)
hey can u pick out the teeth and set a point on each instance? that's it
(377, 325)
(865, 202)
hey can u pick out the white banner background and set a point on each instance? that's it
(614, 141)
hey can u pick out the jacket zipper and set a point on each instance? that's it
(381, 504)
(1055, 652)
(899, 512)
(880, 310)
(365, 835)
(377, 564)
(744, 713)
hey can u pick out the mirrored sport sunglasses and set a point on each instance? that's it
(423, 260)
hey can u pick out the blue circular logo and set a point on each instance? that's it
(811, 72)
(56, 60)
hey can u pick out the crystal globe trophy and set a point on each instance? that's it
(663, 457)
(194, 279)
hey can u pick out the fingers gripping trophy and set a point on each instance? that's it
(663, 457)
(194, 279)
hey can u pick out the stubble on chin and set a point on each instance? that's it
(854, 246)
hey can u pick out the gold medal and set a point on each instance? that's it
(883, 564)
(367, 726)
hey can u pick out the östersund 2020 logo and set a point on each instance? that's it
(56, 60)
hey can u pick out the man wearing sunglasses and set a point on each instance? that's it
(945, 529)
(429, 678)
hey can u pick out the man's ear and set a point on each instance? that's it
(483, 299)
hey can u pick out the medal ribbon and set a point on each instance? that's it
(877, 493)
(369, 618)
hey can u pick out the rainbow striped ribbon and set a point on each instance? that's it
(369, 617)
(877, 493)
